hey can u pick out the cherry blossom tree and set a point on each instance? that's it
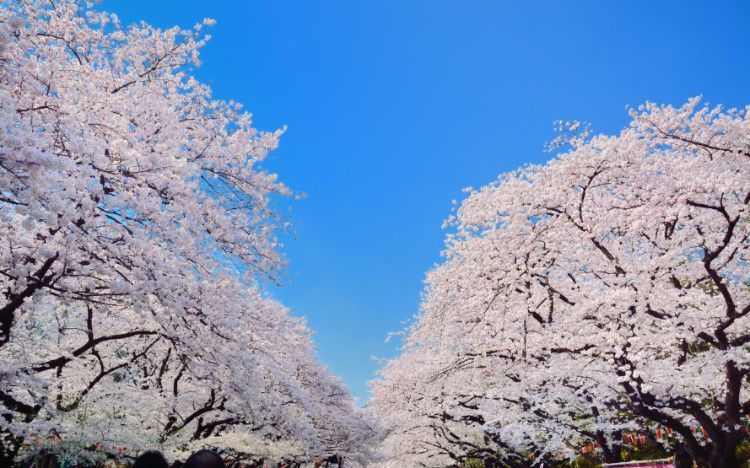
(135, 229)
(604, 291)
(257, 392)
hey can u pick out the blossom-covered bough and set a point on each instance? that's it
(135, 224)
(604, 292)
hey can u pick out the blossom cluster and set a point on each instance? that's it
(599, 294)
(136, 227)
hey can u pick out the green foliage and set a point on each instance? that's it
(643, 452)
(584, 462)
(62, 454)
(743, 453)
(473, 463)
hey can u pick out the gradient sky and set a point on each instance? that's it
(394, 106)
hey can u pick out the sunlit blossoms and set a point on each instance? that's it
(134, 227)
(598, 296)
(585, 307)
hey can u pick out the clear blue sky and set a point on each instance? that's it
(393, 106)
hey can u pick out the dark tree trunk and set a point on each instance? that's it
(16, 300)
(723, 449)
(9, 445)
(682, 458)
(724, 454)
(612, 453)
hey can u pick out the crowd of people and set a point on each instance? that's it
(210, 459)
(200, 459)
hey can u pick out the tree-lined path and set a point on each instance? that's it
(162, 288)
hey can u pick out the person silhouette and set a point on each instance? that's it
(204, 459)
(151, 459)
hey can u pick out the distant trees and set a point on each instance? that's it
(604, 293)
(134, 225)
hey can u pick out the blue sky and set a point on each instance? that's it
(394, 106)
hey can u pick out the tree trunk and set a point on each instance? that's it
(9, 446)
(682, 458)
(724, 454)
(611, 453)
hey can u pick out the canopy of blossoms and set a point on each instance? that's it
(603, 293)
(135, 227)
